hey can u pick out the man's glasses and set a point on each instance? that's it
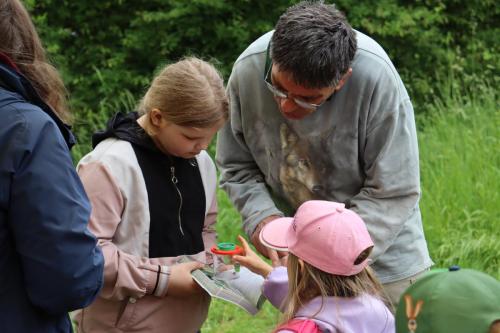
(284, 95)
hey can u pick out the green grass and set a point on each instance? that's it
(460, 176)
(459, 160)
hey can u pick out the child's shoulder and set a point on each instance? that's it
(113, 153)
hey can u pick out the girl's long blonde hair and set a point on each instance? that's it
(20, 42)
(306, 282)
(189, 92)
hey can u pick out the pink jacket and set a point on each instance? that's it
(120, 219)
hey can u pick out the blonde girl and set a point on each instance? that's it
(153, 190)
(327, 285)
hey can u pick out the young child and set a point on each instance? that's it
(450, 300)
(327, 281)
(153, 190)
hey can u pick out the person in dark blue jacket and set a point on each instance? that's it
(49, 261)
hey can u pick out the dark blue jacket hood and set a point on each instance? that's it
(14, 81)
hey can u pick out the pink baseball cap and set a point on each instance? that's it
(324, 234)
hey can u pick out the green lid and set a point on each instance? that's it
(454, 300)
(226, 246)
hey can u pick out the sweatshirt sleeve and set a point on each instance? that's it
(125, 275)
(48, 214)
(241, 178)
(275, 287)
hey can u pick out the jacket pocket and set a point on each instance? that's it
(126, 314)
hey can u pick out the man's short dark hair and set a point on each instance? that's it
(314, 42)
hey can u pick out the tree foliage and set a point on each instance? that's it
(111, 48)
(107, 47)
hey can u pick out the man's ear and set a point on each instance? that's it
(344, 79)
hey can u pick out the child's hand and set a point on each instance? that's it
(251, 260)
(181, 282)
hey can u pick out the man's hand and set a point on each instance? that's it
(277, 258)
(181, 282)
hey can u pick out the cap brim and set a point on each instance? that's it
(274, 234)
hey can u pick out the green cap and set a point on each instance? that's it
(454, 300)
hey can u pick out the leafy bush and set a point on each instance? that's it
(429, 39)
(108, 48)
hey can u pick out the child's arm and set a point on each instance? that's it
(181, 282)
(275, 286)
(252, 261)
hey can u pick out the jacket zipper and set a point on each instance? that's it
(175, 181)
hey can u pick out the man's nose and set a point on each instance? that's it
(287, 105)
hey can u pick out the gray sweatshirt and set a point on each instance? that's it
(359, 148)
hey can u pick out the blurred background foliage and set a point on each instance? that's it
(111, 48)
(108, 48)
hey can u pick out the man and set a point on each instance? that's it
(318, 111)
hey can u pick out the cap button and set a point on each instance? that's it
(454, 268)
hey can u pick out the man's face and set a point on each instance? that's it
(296, 94)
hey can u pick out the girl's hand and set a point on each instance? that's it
(181, 282)
(251, 260)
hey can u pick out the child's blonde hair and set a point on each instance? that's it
(189, 92)
(308, 282)
(20, 42)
